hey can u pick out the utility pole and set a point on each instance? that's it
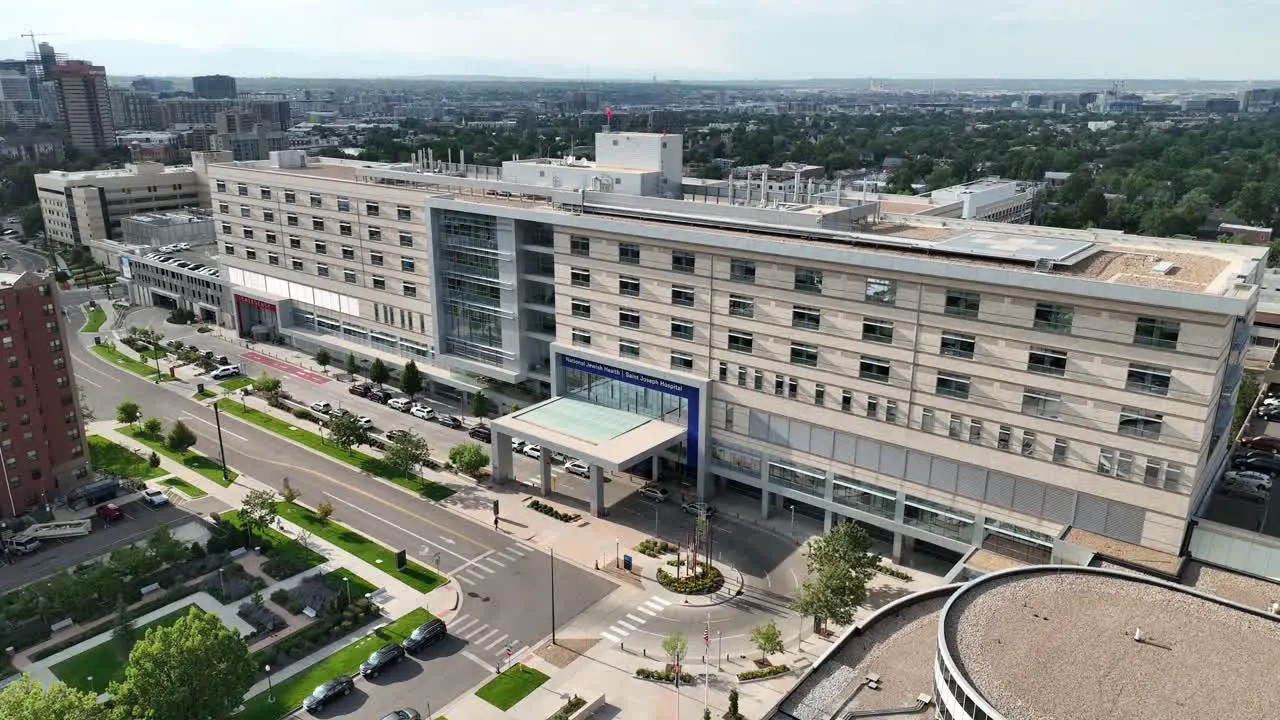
(222, 450)
(155, 353)
(553, 596)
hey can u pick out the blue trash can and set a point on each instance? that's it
(626, 562)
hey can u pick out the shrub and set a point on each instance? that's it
(283, 566)
(261, 618)
(568, 709)
(663, 675)
(304, 414)
(197, 551)
(893, 572)
(676, 562)
(706, 583)
(763, 672)
(655, 548)
(546, 509)
(153, 459)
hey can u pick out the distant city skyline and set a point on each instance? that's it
(688, 40)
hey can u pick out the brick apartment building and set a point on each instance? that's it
(42, 450)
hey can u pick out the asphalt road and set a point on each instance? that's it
(506, 586)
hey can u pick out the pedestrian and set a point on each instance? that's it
(495, 522)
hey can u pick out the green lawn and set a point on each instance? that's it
(237, 382)
(153, 354)
(512, 686)
(368, 463)
(413, 575)
(183, 487)
(194, 460)
(115, 459)
(359, 586)
(104, 663)
(115, 357)
(281, 544)
(289, 693)
(204, 394)
(94, 321)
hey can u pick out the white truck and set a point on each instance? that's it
(21, 545)
(55, 530)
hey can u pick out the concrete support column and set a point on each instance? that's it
(597, 491)
(979, 530)
(899, 541)
(828, 517)
(765, 495)
(503, 464)
(544, 467)
(653, 468)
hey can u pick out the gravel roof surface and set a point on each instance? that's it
(1248, 591)
(1059, 646)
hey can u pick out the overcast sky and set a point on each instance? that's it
(672, 39)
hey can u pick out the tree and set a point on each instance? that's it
(153, 427)
(351, 366)
(153, 460)
(468, 457)
(259, 510)
(128, 412)
(840, 566)
(345, 431)
(411, 379)
(29, 699)
(122, 628)
(706, 714)
(407, 452)
(323, 359)
(288, 493)
(180, 437)
(268, 387)
(378, 371)
(164, 547)
(479, 404)
(195, 669)
(767, 639)
(733, 704)
(325, 509)
(676, 646)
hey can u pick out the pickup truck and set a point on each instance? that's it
(21, 544)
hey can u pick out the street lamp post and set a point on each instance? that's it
(793, 518)
(719, 648)
(271, 695)
(156, 356)
(346, 581)
(222, 449)
(222, 584)
(617, 552)
(553, 596)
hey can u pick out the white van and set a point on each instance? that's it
(1245, 485)
(401, 404)
(225, 371)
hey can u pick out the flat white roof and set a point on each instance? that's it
(613, 439)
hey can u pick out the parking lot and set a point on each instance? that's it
(1237, 510)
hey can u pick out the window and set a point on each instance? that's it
(379, 283)
(1047, 361)
(953, 385)
(409, 289)
(629, 286)
(317, 224)
(881, 291)
(375, 258)
(1028, 443)
(242, 189)
(891, 411)
(1040, 403)
(250, 254)
(955, 428)
(224, 208)
(229, 249)
(264, 193)
(1117, 464)
(579, 246)
(758, 380)
(740, 341)
(742, 306)
(793, 388)
(819, 394)
(291, 220)
(681, 361)
(959, 345)
(273, 259)
(407, 264)
(724, 371)
(962, 303)
(684, 262)
(779, 385)
(348, 252)
(873, 406)
(1004, 437)
(244, 212)
(728, 417)
(682, 296)
(322, 270)
(247, 233)
(344, 204)
(344, 229)
(1155, 332)
(975, 431)
(876, 330)
(1136, 422)
(742, 376)
(1054, 318)
(1148, 379)
(270, 237)
(629, 348)
(580, 308)
(875, 369)
(295, 242)
(371, 209)
(681, 329)
(806, 318)
(1060, 447)
(743, 271)
(296, 264)
(220, 185)
(808, 280)
(290, 197)
(629, 318)
(321, 248)
(269, 215)
(226, 228)
(403, 213)
(846, 401)
(802, 354)
(316, 201)
(629, 253)
(406, 239)
(375, 234)
(926, 420)
(580, 277)
(581, 337)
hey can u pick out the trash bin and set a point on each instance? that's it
(626, 563)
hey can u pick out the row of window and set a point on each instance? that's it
(316, 200)
(374, 234)
(349, 275)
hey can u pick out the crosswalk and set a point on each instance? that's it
(621, 629)
(484, 638)
(492, 563)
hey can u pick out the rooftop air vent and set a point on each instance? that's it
(1163, 267)
(1044, 265)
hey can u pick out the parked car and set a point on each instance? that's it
(342, 412)
(1266, 463)
(1245, 487)
(654, 493)
(381, 659)
(365, 421)
(449, 421)
(379, 395)
(577, 467)
(1249, 476)
(1262, 442)
(396, 435)
(517, 444)
(110, 512)
(154, 497)
(481, 433)
(324, 407)
(422, 412)
(401, 404)
(1270, 413)
(532, 451)
(699, 508)
(426, 634)
(403, 714)
(361, 389)
(225, 371)
(327, 692)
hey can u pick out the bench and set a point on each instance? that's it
(61, 624)
(309, 612)
(153, 587)
(238, 552)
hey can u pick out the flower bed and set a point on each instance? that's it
(893, 572)
(333, 625)
(655, 548)
(708, 582)
(546, 509)
(662, 675)
(231, 584)
(567, 710)
(762, 673)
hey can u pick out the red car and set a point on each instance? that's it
(110, 512)
(1262, 442)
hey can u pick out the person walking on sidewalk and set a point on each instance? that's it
(495, 522)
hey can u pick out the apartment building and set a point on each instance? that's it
(947, 383)
(89, 205)
(84, 105)
(214, 87)
(42, 453)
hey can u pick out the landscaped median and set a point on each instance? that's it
(114, 459)
(115, 357)
(94, 319)
(368, 463)
(346, 661)
(287, 557)
(513, 685)
(190, 458)
(183, 487)
(413, 574)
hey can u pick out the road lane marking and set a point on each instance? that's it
(87, 380)
(487, 569)
(495, 561)
(659, 600)
(486, 636)
(508, 557)
(475, 631)
(472, 562)
(91, 368)
(633, 618)
(618, 631)
(652, 605)
(647, 611)
(464, 579)
(241, 438)
(609, 637)
(460, 618)
(475, 575)
(515, 550)
(448, 539)
(526, 547)
(397, 527)
(495, 641)
(628, 626)
(488, 666)
(458, 629)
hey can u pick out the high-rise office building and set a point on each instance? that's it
(84, 105)
(214, 87)
(134, 110)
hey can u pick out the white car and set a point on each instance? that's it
(532, 451)
(322, 406)
(401, 404)
(1250, 476)
(517, 444)
(577, 467)
(422, 412)
(154, 497)
(365, 421)
(183, 246)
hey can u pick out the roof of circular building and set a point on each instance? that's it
(1057, 643)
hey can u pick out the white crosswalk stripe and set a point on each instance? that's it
(486, 636)
(472, 633)
(609, 637)
(464, 579)
(633, 618)
(495, 641)
(628, 626)
(647, 611)
(457, 628)
(652, 605)
(659, 600)
(618, 631)
(474, 575)
(495, 561)
(526, 547)
(510, 558)
(486, 568)
(458, 620)
(516, 550)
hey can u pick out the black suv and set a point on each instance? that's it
(361, 389)
(379, 395)
(481, 433)
(335, 688)
(381, 659)
(425, 634)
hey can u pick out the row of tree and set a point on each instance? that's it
(411, 381)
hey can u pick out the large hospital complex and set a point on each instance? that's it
(949, 383)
